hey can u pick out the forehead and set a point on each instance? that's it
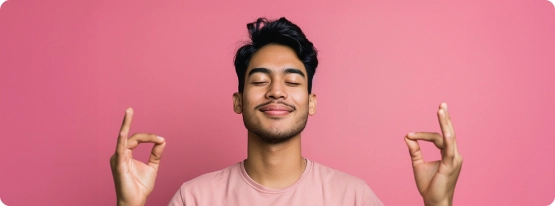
(275, 57)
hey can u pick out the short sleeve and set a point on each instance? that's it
(370, 198)
(177, 199)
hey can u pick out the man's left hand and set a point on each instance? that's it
(436, 180)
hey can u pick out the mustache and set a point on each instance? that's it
(293, 108)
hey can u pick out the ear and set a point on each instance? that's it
(312, 104)
(238, 102)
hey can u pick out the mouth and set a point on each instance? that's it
(273, 109)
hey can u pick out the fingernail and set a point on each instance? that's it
(160, 138)
(411, 134)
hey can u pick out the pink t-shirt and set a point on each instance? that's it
(318, 185)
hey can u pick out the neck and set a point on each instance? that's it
(274, 165)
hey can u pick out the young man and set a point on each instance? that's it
(274, 96)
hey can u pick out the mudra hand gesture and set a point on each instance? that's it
(436, 180)
(134, 180)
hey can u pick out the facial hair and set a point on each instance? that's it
(275, 135)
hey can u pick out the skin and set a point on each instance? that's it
(134, 180)
(275, 165)
(275, 103)
(436, 180)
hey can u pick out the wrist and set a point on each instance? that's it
(438, 203)
(123, 203)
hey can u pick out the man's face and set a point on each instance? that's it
(275, 102)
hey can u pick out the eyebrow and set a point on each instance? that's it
(267, 71)
(261, 70)
(294, 71)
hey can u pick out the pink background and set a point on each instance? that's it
(70, 68)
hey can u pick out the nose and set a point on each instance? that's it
(276, 91)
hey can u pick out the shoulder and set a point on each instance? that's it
(333, 176)
(342, 184)
(212, 179)
(202, 189)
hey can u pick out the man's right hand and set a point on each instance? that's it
(134, 180)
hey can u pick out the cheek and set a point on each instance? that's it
(300, 99)
(251, 99)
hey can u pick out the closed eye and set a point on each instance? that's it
(292, 83)
(259, 83)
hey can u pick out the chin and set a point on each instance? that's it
(276, 138)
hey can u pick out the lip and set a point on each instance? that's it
(275, 110)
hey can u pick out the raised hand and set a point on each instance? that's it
(436, 180)
(134, 180)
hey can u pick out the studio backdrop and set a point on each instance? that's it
(69, 69)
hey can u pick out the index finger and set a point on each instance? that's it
(124, 130)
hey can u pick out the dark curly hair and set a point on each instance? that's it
(282, 32)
